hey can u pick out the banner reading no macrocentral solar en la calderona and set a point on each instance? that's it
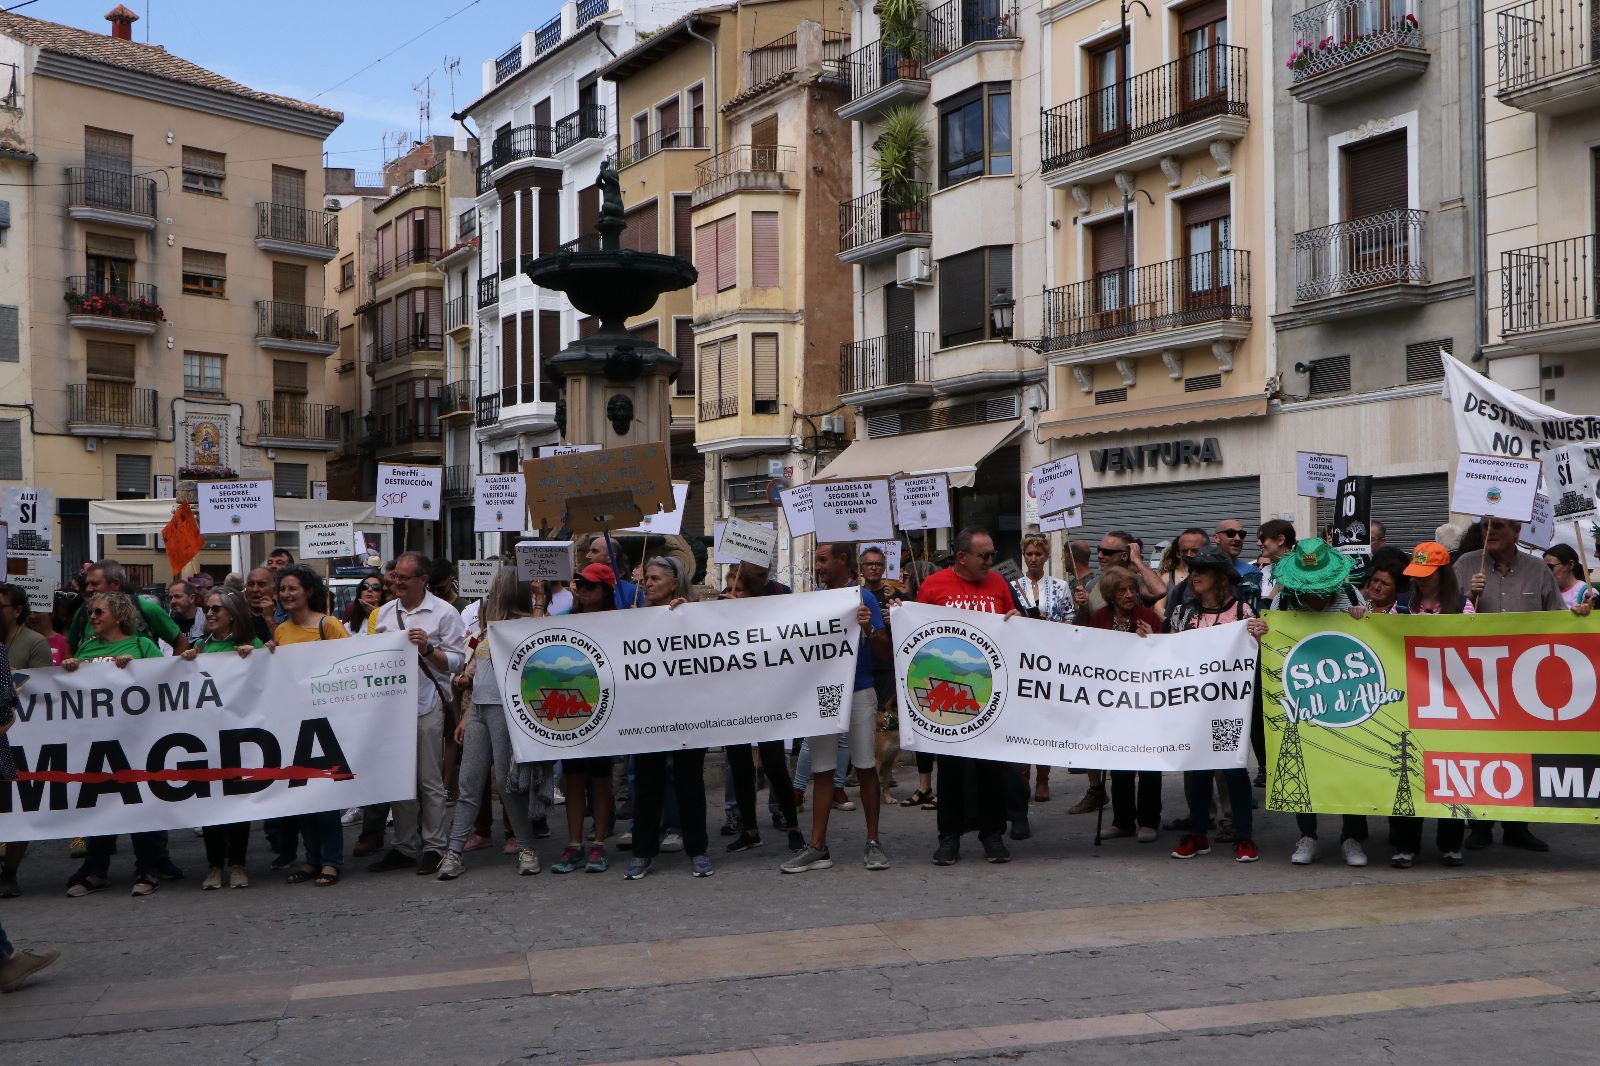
(1444, 716)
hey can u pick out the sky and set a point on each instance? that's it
(308, 50)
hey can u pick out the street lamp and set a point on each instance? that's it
(1002, 312)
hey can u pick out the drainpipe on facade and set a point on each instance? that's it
(1480, 214)
(716, 97)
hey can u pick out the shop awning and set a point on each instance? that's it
(150, 516)
(956, 452)
(1178, 415)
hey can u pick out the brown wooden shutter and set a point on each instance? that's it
(549, 345)
(644, 228)
(541, 116)
(211, 264)
(1208, 208)
(529, 357)
(402, 240)
(435, 303)
(682, 226)
(1202, 14)
(525, 231)
(1105, 245)
(108, 360)
(288, 375)
(728, 372)
(203, 162)
(508, 360)
(764, 263)
(288, 187)
(668, 116)
(347, 344)
(709, 372)
(116, 247)
(588, 209)
(705, 259)
(386, 328)
(1375, 176)
(289, 283)
(435, 232)
(549, 221)
(107, 150)
(764, 368)
(963, 305)
(727, 253)
(683, 348)
(385, 249)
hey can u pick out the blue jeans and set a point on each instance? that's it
(149, 853)
(841, 769)
(1197, 790)
(323, 837)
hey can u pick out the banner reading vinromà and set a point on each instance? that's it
(1027, 691)
(170, 744)
(1442, 716)
(702, 675)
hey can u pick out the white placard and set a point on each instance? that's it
(891, 550)
(544, 560)
(1539, 531)
(409, 491)
(921, 502)
(852, 510)
(319, 490)
(717, 554)
(1030, 502)
(228, 507)
(547, 450)
(327, 540)
(28, 513)
(1058, 485)
(40, 582)
(363, 548)
(1317, 474)
(166, 486)
(1494, 486)
(499, 503)
(473, 577)
(797, 510)
(665, 523)
(748, 542)
(1572, 477)
(1071, 518)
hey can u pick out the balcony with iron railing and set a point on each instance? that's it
(1344, 48)
(409, 429)
(1368, 263)
(744, 168)
(715, 407)
(1548, 295)
(673, 138)
(879, 78)
(547, 36)
(589, 10)
(297, 231)
(488, 412)
(101, 408)
(408, 258)
(583, 124)
(887, 369)
(870, 227)
(112, 305)
(488, 291)
(1548, 52)
(1190, 104)
(457, 398)
(510, 61)
(1191, 300)
(954, 25)
(458, 314)
(523, 142)
(112, 197)
(293, 327)
(485, 178)
(296, 424)
(457, 482)
(782, 56)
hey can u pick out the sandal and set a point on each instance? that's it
(145, 884)
(301, 876)
(916, 799)
(87, 886)
(327, 877)
(932, 804)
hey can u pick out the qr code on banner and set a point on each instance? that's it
(1225, 733)
(829, 697)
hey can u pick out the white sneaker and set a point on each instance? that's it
(451, 867)
(1354, 854)
(527, 862)
(351, 816)
(672, 842)
(1305, 852)
(560, 800)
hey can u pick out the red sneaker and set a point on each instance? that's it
(1245, 851)
(1192, 844)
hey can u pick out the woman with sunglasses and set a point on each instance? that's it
(593, 590)
(228, 628)
(361, 617)
(114, 636)
(1570, 577)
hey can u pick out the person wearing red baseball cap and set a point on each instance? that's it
(593, 589)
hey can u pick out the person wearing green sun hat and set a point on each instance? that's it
(1314, 577)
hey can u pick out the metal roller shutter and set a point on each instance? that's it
(1158, 513)
(1410, 508)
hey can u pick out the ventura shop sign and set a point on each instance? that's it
(1166, 453)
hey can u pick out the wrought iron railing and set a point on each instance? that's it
(1335, 34)
(589, 10)
(872, 218)
(588, 121)
(458, 313)
(408, 429)
(112, 403)
(296, 322)
(660, 141)
(295, 420)
(962, 22)
(547, 36)
(715, 407)
(113, 298)
(1548, 285)
(488, 410)
(488, 291)
(873, 66)
(1203, 84)
(457, 398)
(1542, 39)
(298, 225)
(510, 61)
(409, 342)
(524, 142)
(1381, 249)
(112, 190)
(485, 177)
(457, 482)
(1205, 287)
(401, 260)
(744, 159)
(899, 358)
(783, 55)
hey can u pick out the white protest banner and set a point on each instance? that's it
(664, 523)
(1491, 419)
(1571, 478)
(623, 682)
(499, 503)
(409, 491)
(723, 558)
(922, 501)
(851, 510)
(28, 513)
(797, 510)
(1071, 518)
(891, 550)
(1058, 485)
(170, 744)
(544, 560)
(473, 577)
(1318, 474)
(748, 542)
(236, 507)
(1014, 691)
(547, 450)
(1494, 486)
(1540, 530)
(327, 540)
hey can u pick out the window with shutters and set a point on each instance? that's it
(764, 264)
(727, 253)
(202, 373)
(764, 143)
(1329, 376)
(385, 250)
(975, 134)
(549, 345)
(1376, 187)
(764, 373)
(133, 483)
(530, 357)
(205, 273)
(716, 256)
(10, 449)
(10, 335)
(683, 226)
(425, 407)
(109, 361)
(696, 134)
(1207, 237)
(644, 228)
(1108, 261)
(386, 331)
(288, 283)
(667, 123)
(508, 361)
(969, 286)
(107, 150)
(203, 171)
(290, 480)
(588, 209)
(683, 348)
(108, 265)
(718, 378)
(347, 273)
(288, 187)
(549, 221)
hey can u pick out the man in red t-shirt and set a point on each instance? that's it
(971, 586)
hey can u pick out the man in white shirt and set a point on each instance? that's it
(436, 630)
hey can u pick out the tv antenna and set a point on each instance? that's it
(424, 91)
(452, 70)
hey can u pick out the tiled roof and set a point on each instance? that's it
(153, 60)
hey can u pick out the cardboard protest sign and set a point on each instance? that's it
(28, 513)
(748, 542)
(544, 560)
(409, 491)
(1494, 486)
(498, 503)
(236, 507)
(797, 510)
(852, 510)
(1571, 479)
(922, 501)
(1318, 474)
(664, 523)
(326, 540)
(548, 450)
(1071, 518)
(1058, 485)
(724, 559)
(473, 577)
(1540, 530)
(589, 492)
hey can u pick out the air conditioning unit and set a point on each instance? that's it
(833, 424)
(914, 267)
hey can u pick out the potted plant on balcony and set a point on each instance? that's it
(900, 153)
(899, 26)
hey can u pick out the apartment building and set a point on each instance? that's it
(173, 246)
(1542, 147)
(352, 474)
(945, 236)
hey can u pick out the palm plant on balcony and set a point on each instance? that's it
(900, 154)
(899, 23)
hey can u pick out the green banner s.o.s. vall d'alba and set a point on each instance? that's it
(1444, 716)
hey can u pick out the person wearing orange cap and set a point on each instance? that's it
(594, 589)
